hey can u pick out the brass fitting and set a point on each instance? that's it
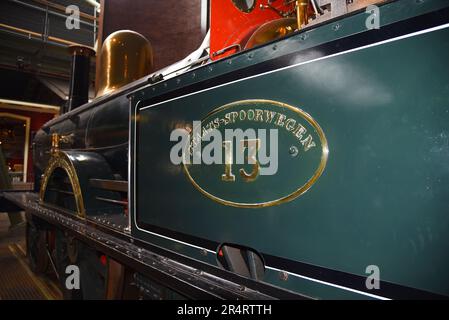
(302, 7)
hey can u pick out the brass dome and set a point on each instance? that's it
(125, 57)
(272, 30)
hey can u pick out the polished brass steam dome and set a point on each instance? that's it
(125, 57)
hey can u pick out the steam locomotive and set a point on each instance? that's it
(356, 209)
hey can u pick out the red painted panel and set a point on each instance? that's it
(230, 26)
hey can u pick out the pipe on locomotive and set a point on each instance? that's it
(79, 76)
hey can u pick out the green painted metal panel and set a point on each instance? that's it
(383, 196)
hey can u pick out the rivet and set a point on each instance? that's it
(283, 276)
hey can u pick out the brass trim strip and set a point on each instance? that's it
(61, 160)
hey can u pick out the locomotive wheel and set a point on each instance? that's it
(36, 243)
(69, 251)
(65, 249)
(93, 273)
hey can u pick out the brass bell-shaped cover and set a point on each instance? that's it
(272, 30)
(125, 57)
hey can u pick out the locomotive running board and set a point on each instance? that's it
(193, 280)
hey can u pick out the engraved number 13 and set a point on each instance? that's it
(253, 146)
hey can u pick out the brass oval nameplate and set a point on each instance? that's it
(284, 152)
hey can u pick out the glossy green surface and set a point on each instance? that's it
(383, 197)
